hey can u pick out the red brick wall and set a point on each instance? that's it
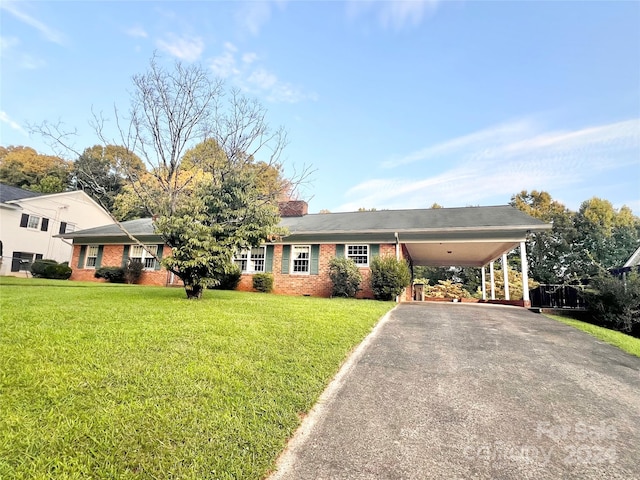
(284, 284)
(314, 285)
(112, 257)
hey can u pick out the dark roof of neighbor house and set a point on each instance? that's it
(414, 220)
(417, 220)
(9, 193)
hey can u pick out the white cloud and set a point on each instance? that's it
(249, 58)
(137, 32)
(395, 14)
(185, 47)
(8, 49)
(501, 161)
(49, 33)
(252, 16)
(253, 78)
(8, 43)
(4, 118)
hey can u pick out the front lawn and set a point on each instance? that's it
(624, 342)
(118, 381)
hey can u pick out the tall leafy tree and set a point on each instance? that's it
(103, 171)
(549, 253)
(24, 167)
(605, 237)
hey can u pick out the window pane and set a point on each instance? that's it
(358, 253)
(240, 258)
(92, 256)
(257, 259)
(300, 259)
(136, 251)
(33, 222)
(150, 262)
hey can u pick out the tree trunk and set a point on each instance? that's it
(194, 292)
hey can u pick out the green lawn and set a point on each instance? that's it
(624, 342)
(117, 381)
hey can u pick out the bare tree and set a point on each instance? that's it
(216, 198)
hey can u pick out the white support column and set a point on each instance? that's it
(505, 272)
(525, 272)
(493, 281)
(484, 284)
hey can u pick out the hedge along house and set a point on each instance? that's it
(299, 262)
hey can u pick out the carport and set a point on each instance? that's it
(470, 237)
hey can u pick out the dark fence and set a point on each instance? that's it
(557, 296)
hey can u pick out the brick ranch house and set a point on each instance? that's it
(299, 262)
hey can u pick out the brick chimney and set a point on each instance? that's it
(293, 208)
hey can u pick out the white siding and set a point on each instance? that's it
(74, 208)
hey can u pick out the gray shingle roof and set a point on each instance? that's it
(9, 193)
(141, 226)
(497, 217)
(413, 220)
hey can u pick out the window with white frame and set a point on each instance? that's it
(251, 261)
(92, 256)
(34, 221)
(359, 254)
(300, 256)
(146, 255)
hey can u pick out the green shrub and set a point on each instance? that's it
(389, 277)
(39, 266)
(345, 276)
(133, 271)
(50, 269)
(263, 282)
(110, 274)
(614, 304)
(230, 280)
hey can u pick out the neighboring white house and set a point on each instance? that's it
(29, 221)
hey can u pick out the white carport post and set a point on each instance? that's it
(484, 284)
(493, 281)
(505, 272)
(525, 272)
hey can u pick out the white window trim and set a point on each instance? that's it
(292, 259)
(346, 253)
(249, 260)
(145, 255)
(38, 223)
(86, 260)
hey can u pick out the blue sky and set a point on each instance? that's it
(395, 104)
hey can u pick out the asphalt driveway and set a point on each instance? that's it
(474, 391)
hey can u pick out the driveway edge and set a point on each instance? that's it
(296, 443)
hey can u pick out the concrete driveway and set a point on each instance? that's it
(474, 391)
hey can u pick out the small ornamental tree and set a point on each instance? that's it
(389, 277)
(345, 277)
